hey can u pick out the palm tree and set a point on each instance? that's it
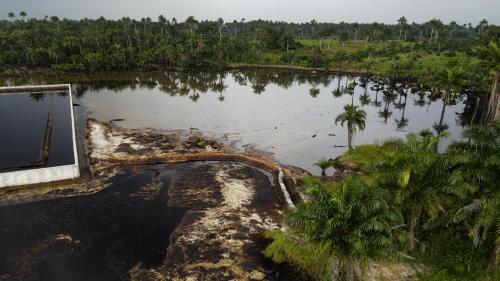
(23, 14)
(402, 22)
(475, 165)
(355, 119)
(339, 57)
(220, 23)
(483, 24)
(162, 21)
(435, 25)
(412, 172)
(490, 56)
(402, 122)
(192, 23)
(451, 78)
(323, 164)
(354, 224)
(337, 93)
(11, 15)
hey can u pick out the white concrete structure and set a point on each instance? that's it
(50, 174)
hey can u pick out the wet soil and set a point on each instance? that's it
(193, 221)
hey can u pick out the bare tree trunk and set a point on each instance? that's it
(476, 107)
(349, 137)
(493, 110)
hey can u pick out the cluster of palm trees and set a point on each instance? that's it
(410, 194)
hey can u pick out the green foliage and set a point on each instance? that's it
(451, 258)
(323, 164)
(354, 118)
(315, 182)
(313, 258)
(353, 223)
(363, 156)
(474, 167)
(91, 45)
(201, 143)
(412, 173)
(444, 198)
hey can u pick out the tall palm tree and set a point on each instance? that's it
(354, 224)
(192, 23)
(354, 118)
(402, 22)
(490, 56)
(475, 166)
(23, 14)
(412, 172)
(162, 21)
(242, 26)
(451, 78)
(483, 24)
(220, 23)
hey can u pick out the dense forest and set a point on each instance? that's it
(444, 57)
(101, 44)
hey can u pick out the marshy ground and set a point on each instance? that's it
(201, 220)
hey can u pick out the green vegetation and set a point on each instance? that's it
(351, 224)
(323, 164)
(441, 210)
(354, 118)
(410, 50)
(423, 54)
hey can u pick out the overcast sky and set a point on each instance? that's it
(462, 11)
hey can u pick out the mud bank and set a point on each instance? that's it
(194, 221)
(220, 236)
(158, 206)
(109, 147)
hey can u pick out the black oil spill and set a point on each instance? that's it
(96, 237)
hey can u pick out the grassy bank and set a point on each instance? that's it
(359, 57)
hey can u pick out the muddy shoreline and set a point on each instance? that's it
(225, 200)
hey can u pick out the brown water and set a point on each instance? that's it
(289, 114)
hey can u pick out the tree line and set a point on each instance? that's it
(124, 44)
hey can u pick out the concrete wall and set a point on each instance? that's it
(43, 175)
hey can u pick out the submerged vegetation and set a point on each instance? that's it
(411, 203)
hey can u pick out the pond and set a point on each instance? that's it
(24, 121)
(288, 114)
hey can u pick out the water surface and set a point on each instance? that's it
(23, 124)
(290, 114)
